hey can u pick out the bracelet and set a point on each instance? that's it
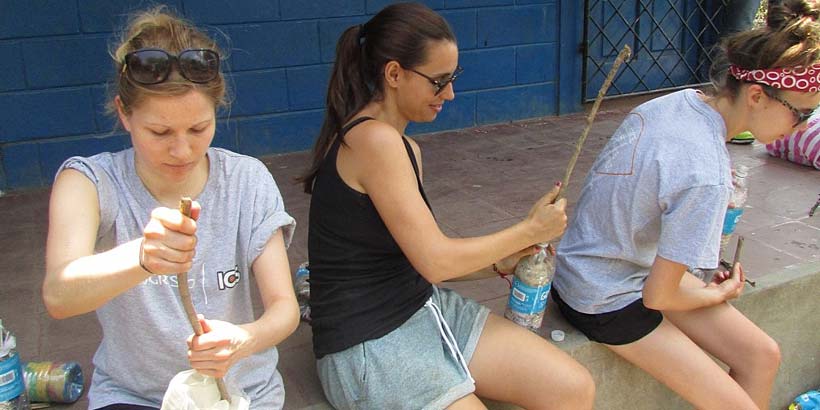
(498, 271)
(503, 275)
(142, 253)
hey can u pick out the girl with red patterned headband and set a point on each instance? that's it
(653, 205)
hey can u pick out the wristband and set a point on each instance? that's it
(142, 254)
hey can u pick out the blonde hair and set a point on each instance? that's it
(790, 38)
(159, 28)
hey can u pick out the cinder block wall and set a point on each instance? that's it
(54, 62)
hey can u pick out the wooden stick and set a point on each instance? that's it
(737, 252)
(188, 304)
(737, 259)
(624, 55)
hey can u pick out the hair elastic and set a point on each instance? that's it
(362, 33)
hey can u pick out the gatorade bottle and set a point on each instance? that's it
(12, 385)
(530, 289)
(736, 203)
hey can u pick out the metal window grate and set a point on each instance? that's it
(671, 42)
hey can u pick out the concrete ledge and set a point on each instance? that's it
(784, 304)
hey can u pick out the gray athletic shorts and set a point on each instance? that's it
(411, 367)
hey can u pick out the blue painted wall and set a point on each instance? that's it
(54, 62)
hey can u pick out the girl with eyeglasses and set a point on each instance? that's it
(384, 334)
(653, 205)
(116, 239)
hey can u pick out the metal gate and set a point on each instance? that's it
(671, 42)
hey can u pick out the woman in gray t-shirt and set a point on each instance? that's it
(116, 240)
(653, 204)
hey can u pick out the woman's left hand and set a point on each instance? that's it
(220, 346)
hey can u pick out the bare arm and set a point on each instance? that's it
(377, 162)
(223, 344)
(281, 316)
(78, 280)
(506, 266)
(670, 287)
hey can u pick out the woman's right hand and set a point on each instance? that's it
(548, 219)
(169, 241)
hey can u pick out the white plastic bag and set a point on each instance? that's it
(190, 390)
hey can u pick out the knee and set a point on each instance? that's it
(586, 390)
(766, 356)
(578, 389)
(770, 351)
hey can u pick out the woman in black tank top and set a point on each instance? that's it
(376, 252)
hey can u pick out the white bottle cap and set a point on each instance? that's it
(557, 335)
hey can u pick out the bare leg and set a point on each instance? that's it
(470, 402)
(514, 365)
(672, 358)
(752, 356)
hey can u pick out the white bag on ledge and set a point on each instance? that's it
(190, 390)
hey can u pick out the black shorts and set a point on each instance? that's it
(618, 327)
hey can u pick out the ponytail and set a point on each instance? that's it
(400, 32)
(347, 94)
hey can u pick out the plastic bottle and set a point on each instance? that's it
(12, 385)
(301, 286)
(736, 203)
(530, 289)
(53, 382)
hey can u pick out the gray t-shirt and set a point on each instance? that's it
(145, 328)
(660, 187)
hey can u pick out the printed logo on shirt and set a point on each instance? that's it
(228, 279)
(168, 280)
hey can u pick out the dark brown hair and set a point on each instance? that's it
(400, 32)
(159, 28)
(790, 38)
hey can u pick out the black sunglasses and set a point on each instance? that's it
(440, 85)
(152, 65)
(802, 116)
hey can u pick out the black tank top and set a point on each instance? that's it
(362, 286)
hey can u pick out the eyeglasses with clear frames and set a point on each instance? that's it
(441, 84)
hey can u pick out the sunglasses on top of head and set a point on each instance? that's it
(442, 83)
(152, 65)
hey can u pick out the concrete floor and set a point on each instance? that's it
(478, 180)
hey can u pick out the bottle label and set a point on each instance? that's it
(528, 300)
(732, 216)
(11, 378)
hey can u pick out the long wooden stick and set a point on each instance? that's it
(624, 55)
(188, 304)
